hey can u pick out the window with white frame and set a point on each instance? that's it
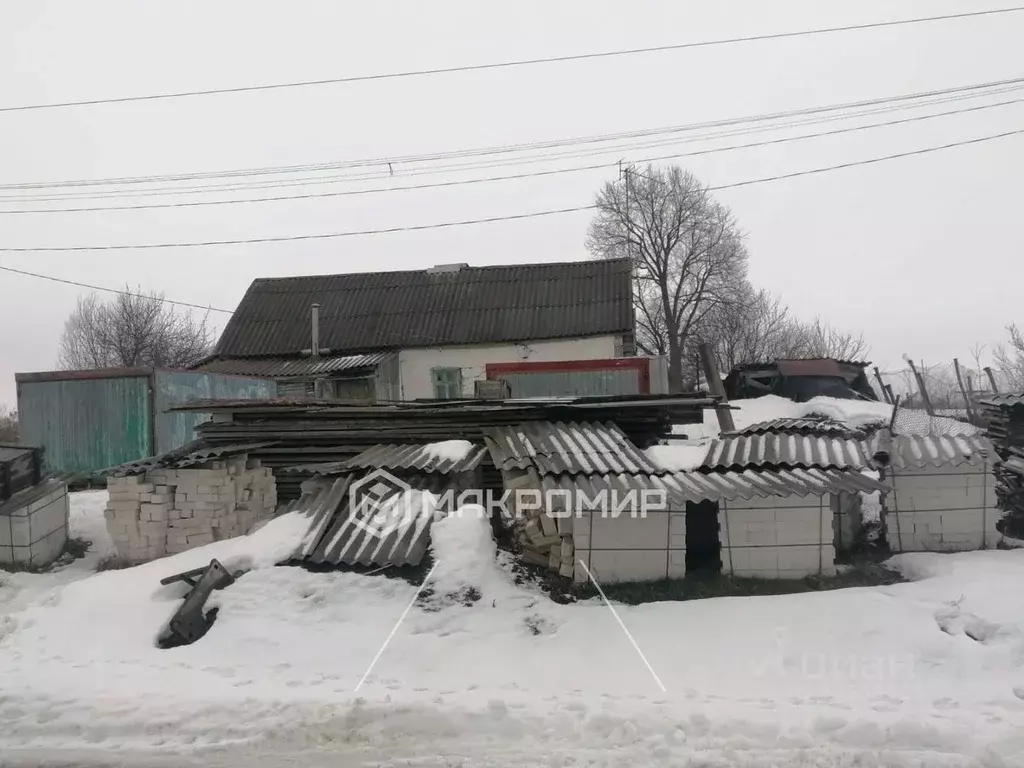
(447, 383)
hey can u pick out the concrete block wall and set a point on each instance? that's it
(780, 537)
(945, 509)
(34, 534)
(167, 511)
(630, 548)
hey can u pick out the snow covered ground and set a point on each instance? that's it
(318, 669)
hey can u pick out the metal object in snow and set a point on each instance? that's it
(189, 622)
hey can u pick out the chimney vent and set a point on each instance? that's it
(441, 269)
(314, 322)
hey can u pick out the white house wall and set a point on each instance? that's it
(780, 537)
(415, 364)
(942, 509)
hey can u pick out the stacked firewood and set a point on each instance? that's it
(544, 536)
(1004, 416)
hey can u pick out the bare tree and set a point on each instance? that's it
(8, 425)
(1010, 360)
(688, 253)
(132, 329)
(822, 340)
(753, 327)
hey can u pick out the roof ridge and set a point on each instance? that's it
(471, 267)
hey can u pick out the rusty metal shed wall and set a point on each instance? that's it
(173, 429)
(584, 383)
(86, 424)
(574, 448)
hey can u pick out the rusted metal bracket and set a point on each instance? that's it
(190, 622)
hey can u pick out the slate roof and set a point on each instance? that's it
(1004, 400)
(392, 310)
(283, 367)
(786, 450)
(419, 458)
(567, 448)
(805, 425)
(680, 487)
(910, 451)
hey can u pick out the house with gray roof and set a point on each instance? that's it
(428, 333)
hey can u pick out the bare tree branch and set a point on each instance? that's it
(8, 425)
(133, 329)
(686, 248)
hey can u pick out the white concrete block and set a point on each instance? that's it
(610, 566)
(676, 563)
(626, 532)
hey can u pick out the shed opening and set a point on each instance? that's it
(703, 545)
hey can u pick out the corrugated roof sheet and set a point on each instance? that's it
(807, 425)
(186, 456)
(910, 451)
(415, 457)
(786, 450)
(283, 367)
(681, 487)
(1004, 401)
(391, 310)
(574, 448)
(334, 537)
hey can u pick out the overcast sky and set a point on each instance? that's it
(919, 254)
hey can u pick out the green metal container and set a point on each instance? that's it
(91, 420)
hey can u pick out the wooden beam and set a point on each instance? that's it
(963, 390)
(881, 386)
(715, 387)
(992, 380)
(922, 388)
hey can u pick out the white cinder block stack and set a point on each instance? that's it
(138, 536)
(170, 510)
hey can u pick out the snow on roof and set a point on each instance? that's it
(856, 414)
(449, 450)
(681, 455)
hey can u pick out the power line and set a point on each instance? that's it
(491, 219)
(515, 63)
(532, 174)
(111, 290)
(962, 92)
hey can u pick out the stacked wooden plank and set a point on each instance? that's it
(315, 432)
(1004, 418)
